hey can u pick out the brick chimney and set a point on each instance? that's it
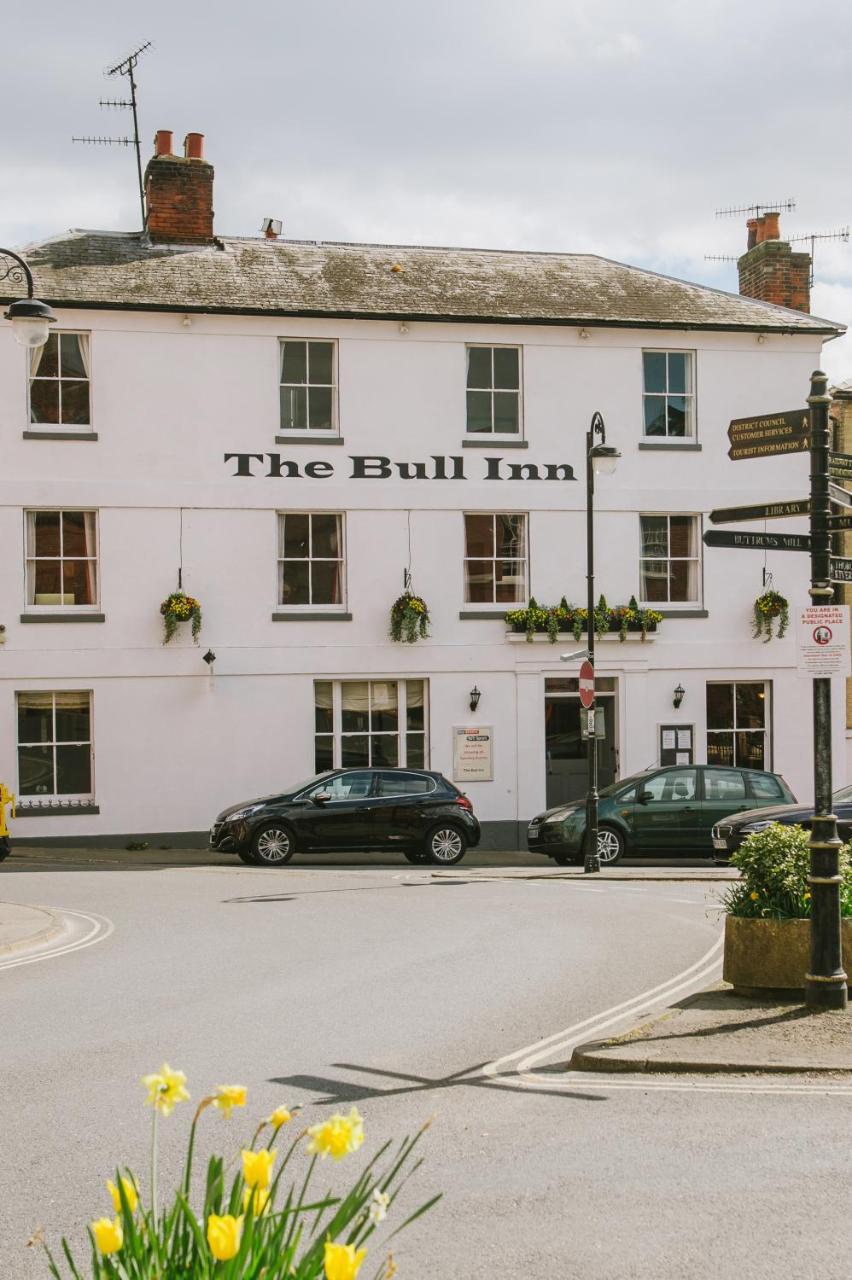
(179, 191)
(769, 270)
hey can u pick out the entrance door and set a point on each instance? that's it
(565, 750)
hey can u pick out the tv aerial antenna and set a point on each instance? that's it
(841, 234)
(126, 67)
(777, 206)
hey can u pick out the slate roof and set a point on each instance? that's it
(307, 278)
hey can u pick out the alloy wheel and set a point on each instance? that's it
(273, 845)
(446, 845)
(609, 846)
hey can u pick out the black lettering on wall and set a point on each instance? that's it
(319, 470)
(279, 466)
(523, 471)
(370, 467)
(559, 471)
(243, 462)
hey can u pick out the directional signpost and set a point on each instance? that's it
(758, 541)
(770, 434)
(841, 569)
(764, 511)
(840, 466)
(838, 523)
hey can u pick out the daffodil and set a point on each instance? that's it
(378, 1210)
(223, 1236)
(755, 897)
(109, 1236)
(165, 1089)
(257, 1167)
(258, 1199)
(338, 1136)
(280, 1116)
(228, 1096)
(341, 1262)
(130, 1194)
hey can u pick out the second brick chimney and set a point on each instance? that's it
(179, 191)
(770, 271)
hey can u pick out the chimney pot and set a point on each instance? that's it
(163, 142)
(771, 227)
(271, 228)
(751, 227)
(193, 146)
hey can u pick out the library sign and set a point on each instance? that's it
(374, 466)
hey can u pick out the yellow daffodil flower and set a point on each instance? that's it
(755, 897)
(257, 1198)
(223, 1236)
(279, 1117)
(129, 1194)
(341, 1262)
(338, 1136)
(257, 1167)
(109, 1236)
(807, 895)
(229, 1096)
(165, 1089)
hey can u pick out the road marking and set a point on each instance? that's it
(97, 929)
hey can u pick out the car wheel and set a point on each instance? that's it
(272, 845)
(412, 856)
(246, 855)
(610, 846)
(445, 845)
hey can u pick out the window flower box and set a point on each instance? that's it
(549, 622)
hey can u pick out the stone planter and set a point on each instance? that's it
(772, 954)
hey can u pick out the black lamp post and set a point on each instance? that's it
(31, 319)
(601, 459)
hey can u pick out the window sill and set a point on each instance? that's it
(312, 615)
(60, 435)
(52, 808)
(494, 442)
(308, 437)
(489, 615)
(63, 617)
(691, 446)
(679, 613)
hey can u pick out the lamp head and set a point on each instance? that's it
(604, 459)
(31, 321)
(475, 695)
(209, 657)
(678, 696)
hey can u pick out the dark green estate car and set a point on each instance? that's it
(670, 810)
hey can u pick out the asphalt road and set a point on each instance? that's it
(394, 988)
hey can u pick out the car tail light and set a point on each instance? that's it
(465, 803)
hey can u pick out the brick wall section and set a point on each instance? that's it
(179, 199)
(841, 412)
(773, 273)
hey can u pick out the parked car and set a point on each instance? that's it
(661, 811)
(413, 810)
(729, 835)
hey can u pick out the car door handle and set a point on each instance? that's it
(689, 809)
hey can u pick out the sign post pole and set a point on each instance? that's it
(825, 983)
(591, 860)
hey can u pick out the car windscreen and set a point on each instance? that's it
(843, 796)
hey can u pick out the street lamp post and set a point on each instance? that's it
(31, 319)
(600, 459)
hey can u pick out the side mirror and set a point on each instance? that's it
(321, 797)
(645, 797)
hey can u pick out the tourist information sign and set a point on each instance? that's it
(765, 511)
(770, 434)
(841, 569)
(758, 541)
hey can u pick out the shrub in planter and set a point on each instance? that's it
(774, 864)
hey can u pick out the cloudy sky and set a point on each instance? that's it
(600, 126)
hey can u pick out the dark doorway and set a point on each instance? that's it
(565, 750)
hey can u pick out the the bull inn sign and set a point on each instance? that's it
(374, 466)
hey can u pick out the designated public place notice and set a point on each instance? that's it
(823, 640)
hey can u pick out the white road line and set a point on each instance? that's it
(97, 929)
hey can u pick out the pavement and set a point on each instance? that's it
(720, 1031)
(24, 928)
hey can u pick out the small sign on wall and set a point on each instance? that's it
(677, 744)
(473, 757)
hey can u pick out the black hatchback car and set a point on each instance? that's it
(413, 810)
(729, 834)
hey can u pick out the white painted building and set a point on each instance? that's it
(294, 426)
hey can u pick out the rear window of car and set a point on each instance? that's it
(724, 784)
(766, 787)
(404, 784)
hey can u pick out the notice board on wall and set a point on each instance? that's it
(677, 744)
(473, 755)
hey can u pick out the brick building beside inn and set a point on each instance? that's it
(289, 429)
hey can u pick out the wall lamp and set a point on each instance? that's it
(209, 657)
(678, 696)
(475, 695)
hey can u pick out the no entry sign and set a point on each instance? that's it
(587, 684)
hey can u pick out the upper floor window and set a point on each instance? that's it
(308, 386)
(670, 564)
(55, 745)
(59, 381)
(61, 558)
(495, 558)
(494, 390)
(669, 395)
(310, 558)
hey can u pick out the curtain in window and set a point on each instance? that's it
(89, 532)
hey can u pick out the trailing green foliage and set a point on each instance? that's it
(775, 864)
(565, 618)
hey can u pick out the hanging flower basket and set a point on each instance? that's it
(178, 608)
(409, 618)
(767, 608)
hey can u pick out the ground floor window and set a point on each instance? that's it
(371, 722)
(55, 746)
(738, 724)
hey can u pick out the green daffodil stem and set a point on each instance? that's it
(154, 1168)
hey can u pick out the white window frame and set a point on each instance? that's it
(691, 436)
(78, 428)
(311, 433)
(280, 559)
(498, 606)
(56, 798)
(697, 559)
(766, 730)
(60, 606)
(497, 436)
(402, 732)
